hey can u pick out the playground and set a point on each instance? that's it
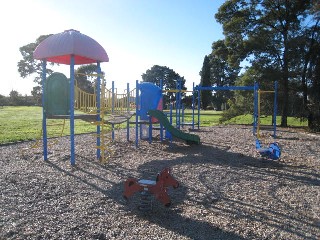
(226, 190)
(227, 181)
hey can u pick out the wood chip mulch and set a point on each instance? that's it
(227, 191)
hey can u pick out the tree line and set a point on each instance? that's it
(17, 99)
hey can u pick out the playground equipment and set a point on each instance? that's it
(72, 48)
(162, 118)
(149, 111)
(114, 109)
(158, 187)
(273, 151)
(61, 97)
(56, 130)
(258, 106)
(179, 107)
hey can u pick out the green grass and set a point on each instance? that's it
(207, 118)
(266, 120)
(24, 123)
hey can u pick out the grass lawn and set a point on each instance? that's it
(24, 123)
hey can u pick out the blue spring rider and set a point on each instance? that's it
(272, 152)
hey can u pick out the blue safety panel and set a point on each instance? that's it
(150, 97)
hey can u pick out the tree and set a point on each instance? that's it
(222, 73)
(28, 65)
(314, 87)
(36, 94)
(3, 101)
(206, 96)
(169, 80)
(15, 98)
(86, 76)
(262, 31)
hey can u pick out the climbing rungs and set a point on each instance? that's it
(104, 147)
(102, 135)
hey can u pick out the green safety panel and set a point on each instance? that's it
(57, 92)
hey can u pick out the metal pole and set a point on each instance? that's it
(161, 126)
(72, 160)
(112, 109)
(199, 102)
(177, 96)
(255, 107)
(128, 109)
(193, 106)
(137, 112)
(259, 113)
(98, 90)
(275, 109)
(44, 114)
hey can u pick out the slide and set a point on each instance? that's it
(189, 138)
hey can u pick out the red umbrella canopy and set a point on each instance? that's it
(58, 48)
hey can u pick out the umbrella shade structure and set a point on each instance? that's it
(59, 48)
(72, 48)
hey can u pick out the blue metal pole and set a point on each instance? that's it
(137, 112)
(128, 109)
(255, 108)
(182, 114)
(112, 109)
(199, 102)
(72, 160)
(168, 134)
(98, 84)
(150, 129)
(161, 126)
(275, 109)
(44, 114)
(192, 106)
(179, 104)
(176, 105)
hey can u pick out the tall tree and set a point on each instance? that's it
(29, 66)
(205, 73)
(169, 80)
(222, 73)
(314, 88)
(262, 30)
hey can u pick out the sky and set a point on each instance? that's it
(136, 34)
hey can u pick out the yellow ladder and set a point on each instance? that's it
(38, 140)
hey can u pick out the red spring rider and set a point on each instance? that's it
(158, 188)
